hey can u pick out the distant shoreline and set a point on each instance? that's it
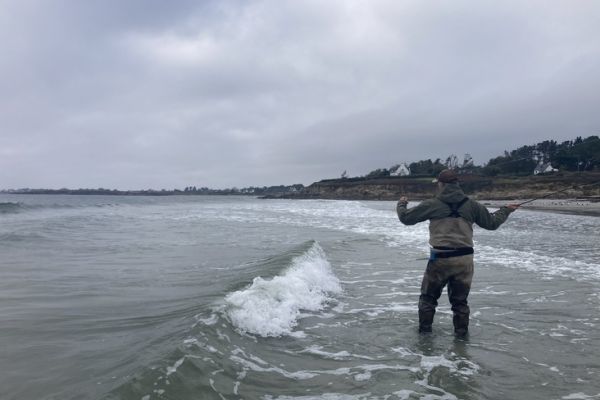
(585, 207)
(561, 206)
(117, 193)
(189, 191)
(572, 193)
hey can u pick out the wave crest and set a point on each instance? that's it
(271, 307)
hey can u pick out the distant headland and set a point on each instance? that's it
(526, 172)
(190, 190)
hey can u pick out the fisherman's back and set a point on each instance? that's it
(451, 216)
(445, 229)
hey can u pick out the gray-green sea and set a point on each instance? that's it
(191, 297)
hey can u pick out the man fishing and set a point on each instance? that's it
(451, 216)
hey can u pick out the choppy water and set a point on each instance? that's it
(240, 298)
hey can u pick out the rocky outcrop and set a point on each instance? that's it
(478, 187)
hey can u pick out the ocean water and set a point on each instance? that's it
(106, 297)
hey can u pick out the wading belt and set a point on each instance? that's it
(447, 252)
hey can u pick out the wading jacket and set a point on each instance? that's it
(446, 230)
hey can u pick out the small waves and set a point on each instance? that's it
(551, 244)
(345, 216)
(17, 237)
(18, 207)
(272, 307)
(548, 265)
(11, 208)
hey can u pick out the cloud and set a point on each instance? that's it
(231, 93)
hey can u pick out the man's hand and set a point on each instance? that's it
(513, 206)
(403, 202)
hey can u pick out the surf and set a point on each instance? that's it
(271, 307)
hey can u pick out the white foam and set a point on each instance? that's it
(460, 366)
(404, 394)
(300, 375)
(580, 395)
(213, 319)
(323, 396)
(375, 311)
(349, 216)
(340, 355)
(549, 265)
(272, 307)
(365, 376)
(454, 364)
(171, 370)
(318, 350)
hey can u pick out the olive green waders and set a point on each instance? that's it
(457, 273)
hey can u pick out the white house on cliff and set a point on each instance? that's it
(544, 168)
(400, 170)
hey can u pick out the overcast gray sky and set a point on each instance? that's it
(162, 94)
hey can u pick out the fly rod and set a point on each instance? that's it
(558, 191)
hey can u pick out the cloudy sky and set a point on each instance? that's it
(135, 94)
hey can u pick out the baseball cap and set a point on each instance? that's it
(446, 176)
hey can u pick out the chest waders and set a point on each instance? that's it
(447, 252)
(442, 270)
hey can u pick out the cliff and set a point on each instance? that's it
(478, 187)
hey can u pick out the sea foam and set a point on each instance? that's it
(271, 307)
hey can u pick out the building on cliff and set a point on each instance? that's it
(400, 170)
(543, 168)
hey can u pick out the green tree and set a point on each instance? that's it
(378, 173)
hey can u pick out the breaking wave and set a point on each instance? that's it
(271, 307)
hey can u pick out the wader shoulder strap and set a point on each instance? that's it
(454, 207)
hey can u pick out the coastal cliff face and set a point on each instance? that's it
(477, 187)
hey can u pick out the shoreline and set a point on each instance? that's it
(560, 206)
(572, 206)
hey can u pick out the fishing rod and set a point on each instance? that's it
(558, 191)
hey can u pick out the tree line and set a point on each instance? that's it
(571, 155)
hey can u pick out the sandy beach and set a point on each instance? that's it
(566, 206)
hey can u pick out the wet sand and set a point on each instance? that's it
(565, 206)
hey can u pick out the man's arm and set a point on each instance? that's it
(491, 221)
(414, 215)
